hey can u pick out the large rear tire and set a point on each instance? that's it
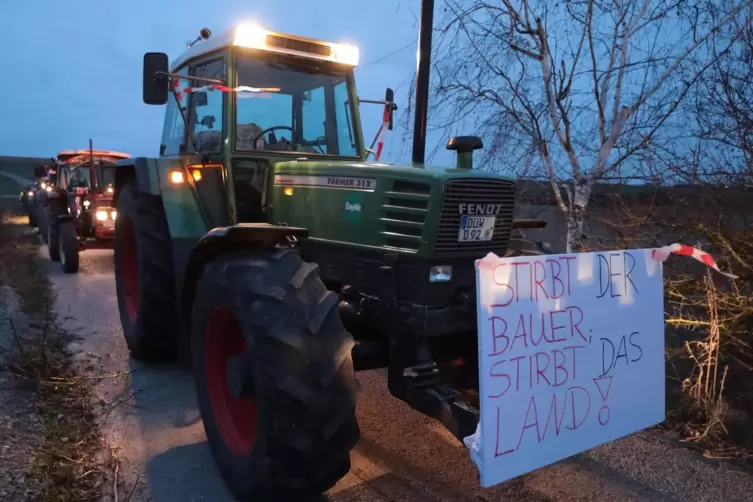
(291, 436)
(144, 275)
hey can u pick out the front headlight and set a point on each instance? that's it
(102, 215)
(31, 194)
(440, 273)
(114, 214)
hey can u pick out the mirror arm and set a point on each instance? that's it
(191, 137)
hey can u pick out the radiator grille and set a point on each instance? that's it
(475, 191)
(404, 210)
(294, 44)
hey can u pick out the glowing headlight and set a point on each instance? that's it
(87, 203)
(49, 189)
(113, 215)
(110, 190)
(440, 273)
(102, 215)
(43, 185)
(346, 54)
(31, 194)
(250, 35)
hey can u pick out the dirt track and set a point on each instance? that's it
(149, 416)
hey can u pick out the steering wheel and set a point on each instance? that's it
(270, 129)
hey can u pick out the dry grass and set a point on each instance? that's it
(68, 465)
(708, 319)
(705, 386)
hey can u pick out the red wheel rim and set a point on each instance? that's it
(129, 266)
(235, 418)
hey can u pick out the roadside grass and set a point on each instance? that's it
(708, 321)
(710, 367)
(69, 465)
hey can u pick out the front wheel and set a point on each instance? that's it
(274, 376)
(44, 222)
(53, 227)
(68, 246)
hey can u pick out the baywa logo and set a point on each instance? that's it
(353, 207)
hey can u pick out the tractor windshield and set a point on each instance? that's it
(294, 107)
(106, 175)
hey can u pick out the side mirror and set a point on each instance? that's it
(389, 97)
(155, 86)
(200, 99)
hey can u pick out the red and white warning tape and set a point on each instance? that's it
(383, 130)
(221, 88)
(661, 254)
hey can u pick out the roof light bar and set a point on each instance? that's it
(253, 36)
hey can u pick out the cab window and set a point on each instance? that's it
(205, 108)
(292, 106)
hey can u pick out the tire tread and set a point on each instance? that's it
(153, 334)
(309, 372)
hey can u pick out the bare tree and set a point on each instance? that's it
(576, 91)
(723, 110)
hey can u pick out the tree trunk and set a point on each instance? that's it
(576, 214)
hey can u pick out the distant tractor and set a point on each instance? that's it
(80, 212)
(265, 251)
(31, 192)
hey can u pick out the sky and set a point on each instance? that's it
(72, 70)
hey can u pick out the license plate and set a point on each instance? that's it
(476, 228)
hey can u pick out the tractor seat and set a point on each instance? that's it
(209, 141)
(245, 134)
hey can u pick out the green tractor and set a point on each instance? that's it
(264, 251)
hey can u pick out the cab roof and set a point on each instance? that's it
(67, 155)
(266, 40)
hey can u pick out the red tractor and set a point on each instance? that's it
(80, 210)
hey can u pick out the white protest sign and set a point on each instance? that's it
(571, 356)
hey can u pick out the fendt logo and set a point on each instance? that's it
(480, 209)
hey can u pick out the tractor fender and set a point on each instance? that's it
(223, 240)
(142, 170)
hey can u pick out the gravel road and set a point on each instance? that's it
(148, 413)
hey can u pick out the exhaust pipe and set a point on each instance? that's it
(423, 70)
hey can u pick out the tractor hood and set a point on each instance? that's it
(407, 209)
(382, 169)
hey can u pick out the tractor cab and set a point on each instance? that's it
(85, 181)
(90, 170)
(252, 98)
